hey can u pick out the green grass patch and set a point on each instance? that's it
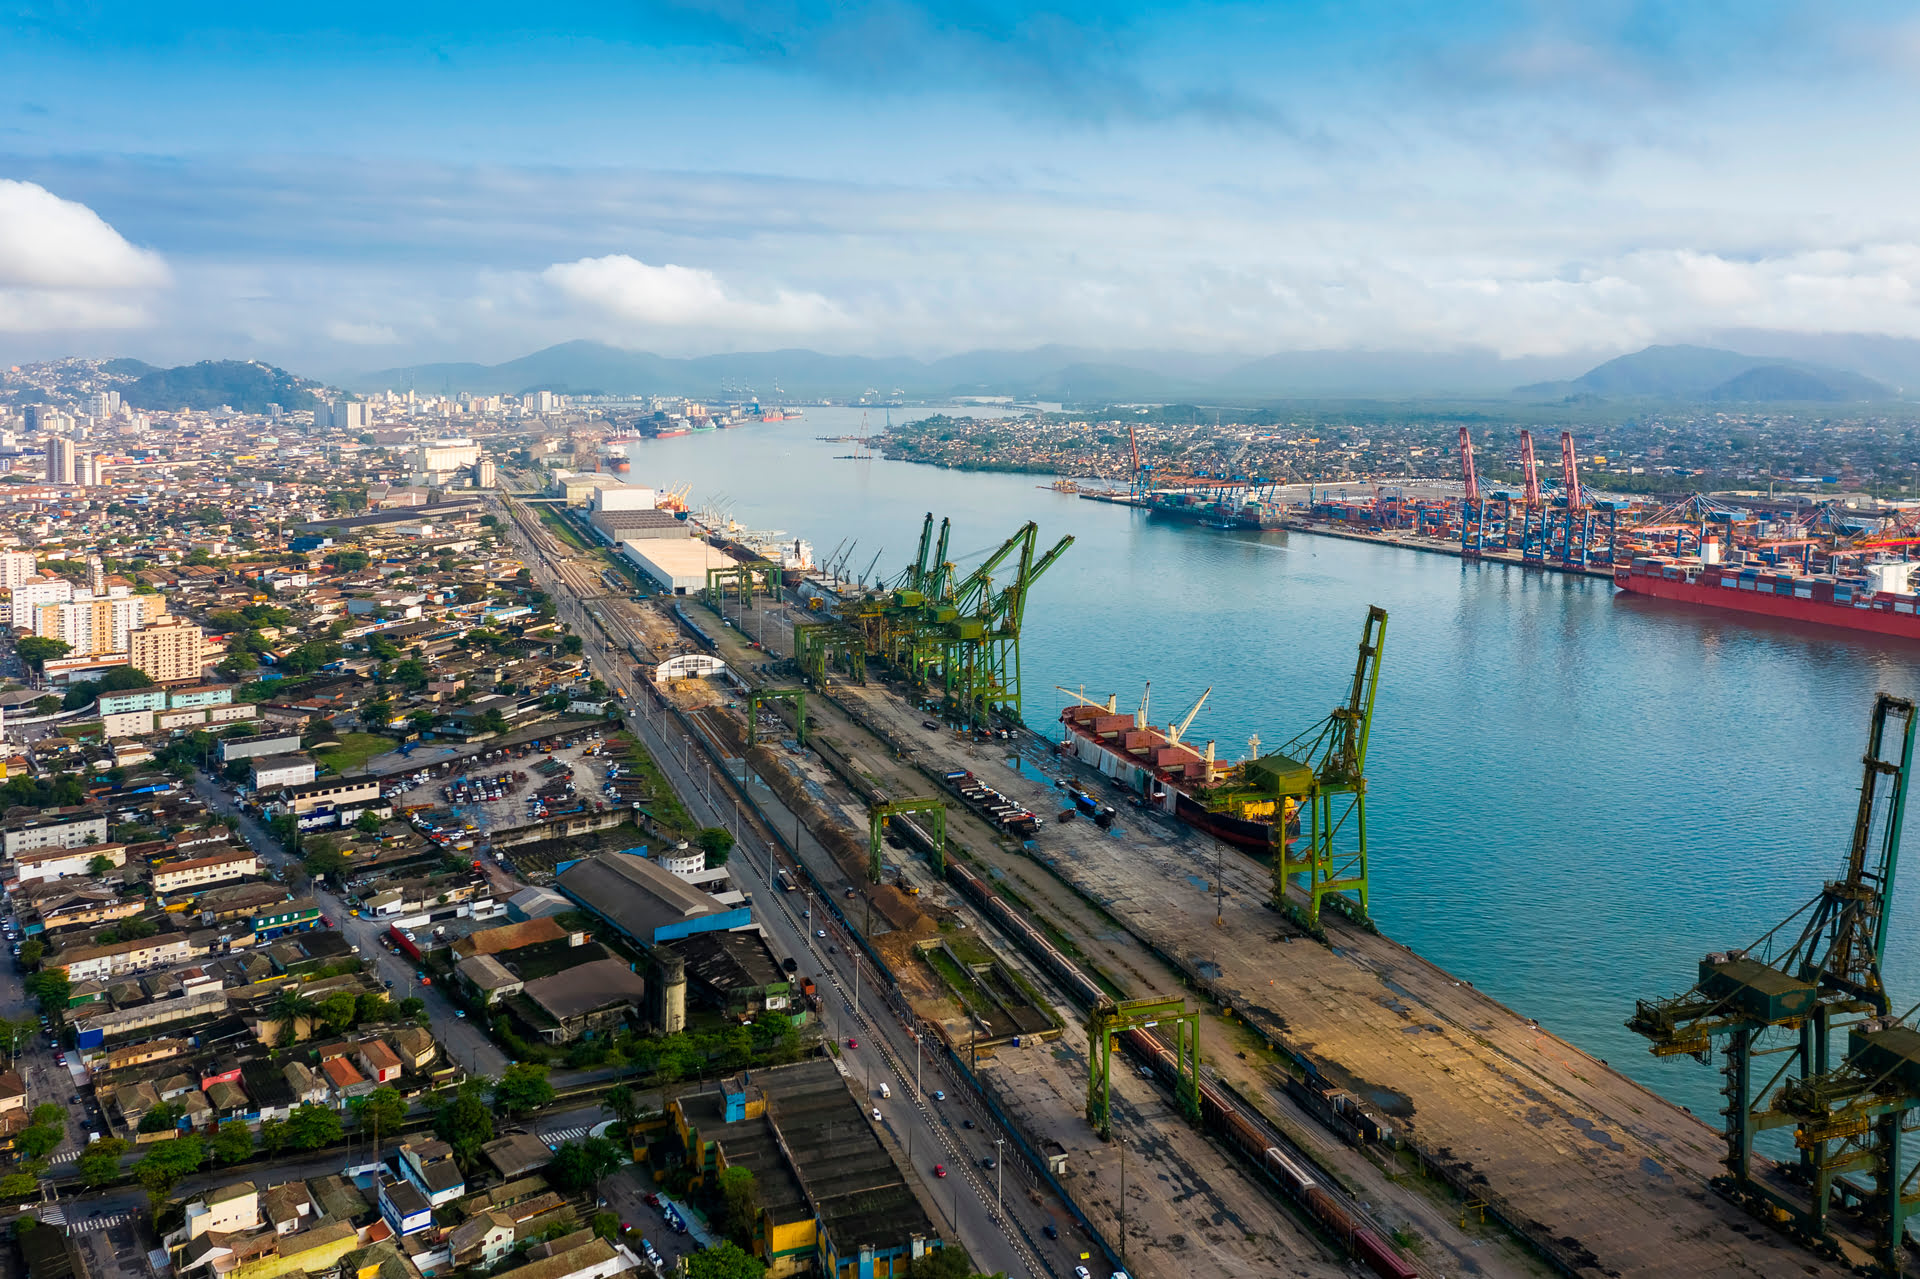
(558, 526)
(665, 806)
(354, 750)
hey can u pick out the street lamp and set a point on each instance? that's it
(999, 1170)
(1123, 1196)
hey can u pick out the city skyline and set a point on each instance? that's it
(377, 189)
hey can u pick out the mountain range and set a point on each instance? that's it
(1856, 368)
(1069, 374)
(1713, 375)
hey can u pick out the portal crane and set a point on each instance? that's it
(1829, 968)
(1325, 769)
(1176, 731)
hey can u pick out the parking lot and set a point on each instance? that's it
(503, 788)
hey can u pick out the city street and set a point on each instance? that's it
(465, 1043)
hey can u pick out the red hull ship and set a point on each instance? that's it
(1850, 602)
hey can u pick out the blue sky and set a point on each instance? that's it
(355, 185)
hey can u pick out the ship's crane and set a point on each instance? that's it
(1176, 731)
(1795, 983)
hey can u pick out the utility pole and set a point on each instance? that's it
(999, 1170)
(917, 1095)
(1123, 1196)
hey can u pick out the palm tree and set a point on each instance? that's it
(290, 1009)
(622, 1105)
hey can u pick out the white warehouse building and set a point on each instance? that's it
(679, 565)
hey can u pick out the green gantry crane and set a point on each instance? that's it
(1796, 984)
(1324, 772)
(956, 634)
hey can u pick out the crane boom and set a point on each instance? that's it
(1176, 731)
(1570, 473)
(1472, 494)
(1530, 472)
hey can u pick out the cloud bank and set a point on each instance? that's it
(63, 267)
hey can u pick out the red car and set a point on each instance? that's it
(852, 1042)
(325, 922)
(939, 1170)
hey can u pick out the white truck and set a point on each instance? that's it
(884, 1090)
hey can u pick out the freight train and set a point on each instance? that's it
(1244, 1128)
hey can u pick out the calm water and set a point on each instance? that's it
(1572, 797)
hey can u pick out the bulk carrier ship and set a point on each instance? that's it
(1878, 598)
(1246, 804)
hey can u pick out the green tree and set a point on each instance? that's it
(52, 989)
(740, 1196)
(383, 1109)
(37, 650)
(372, 1008)
(368, 823)
(32, 951)
(274, 1136)
(310, 1127)
(606, 1225)
(522, 1088)
(337, 1010)
(238, 663)
(412, 673)
(124, 678)
(100, 865)
(324, 860)
(421, 721)
(412, 1007)
(162, 1117)
(233, 1142)
(16, 1186)
(623, 1105)
(464, 1123)
(579, 1165)
(166, 1163)
(725, 1260)
(491, 722)
(46, 705)
(572, 644)
(376, 713)
(100, 1165)
(135, 927)
(717, 843)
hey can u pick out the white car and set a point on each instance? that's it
(1081, 1272)
(819, 932)
(876, 1114)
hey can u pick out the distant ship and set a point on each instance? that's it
(1879, 599)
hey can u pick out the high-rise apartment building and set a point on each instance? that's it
(485, 474)
(341, 415)
(17, 568)
(63, 460)
(92, 624)
(31, 594)
(168, 651)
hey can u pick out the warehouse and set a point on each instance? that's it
(678, 566)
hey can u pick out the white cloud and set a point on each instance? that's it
(647, 298)
(63, 267)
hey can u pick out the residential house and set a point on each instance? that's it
(380, 1062)
(61, 862)
(404, 1207)
(345, 1081)
(596, 1260)
(482, 1240)
(429, 1164)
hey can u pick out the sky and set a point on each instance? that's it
(355, 186)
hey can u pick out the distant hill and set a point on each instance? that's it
(244, 385)
(1712, 374)
(1070, 374)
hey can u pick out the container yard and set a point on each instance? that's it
(1824, 562)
